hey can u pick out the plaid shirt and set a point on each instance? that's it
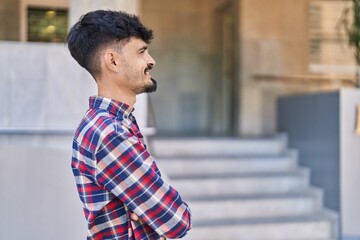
(116, 176)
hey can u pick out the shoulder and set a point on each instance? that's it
(98, 124)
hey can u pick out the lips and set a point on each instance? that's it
(147, 70)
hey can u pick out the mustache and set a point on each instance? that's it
(149, 67)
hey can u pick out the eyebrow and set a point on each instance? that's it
(143, 48)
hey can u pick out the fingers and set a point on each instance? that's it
(134, 217)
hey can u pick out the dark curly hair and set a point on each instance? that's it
(102, 28)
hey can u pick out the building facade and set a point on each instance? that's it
(216, 59)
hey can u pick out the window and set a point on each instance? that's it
(328, 47)
(46, 25)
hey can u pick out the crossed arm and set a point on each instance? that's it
(124, 167)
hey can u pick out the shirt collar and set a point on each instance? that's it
(115, 107)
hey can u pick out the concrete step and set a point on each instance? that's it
(243, 183)
(167, 147)
(229, 165)
(245, 189)
(256, 206)
(318, 226)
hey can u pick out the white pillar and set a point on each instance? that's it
(142, 114)
(80, 7)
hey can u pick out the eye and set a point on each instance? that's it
(143, 50)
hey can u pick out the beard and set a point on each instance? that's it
(146, 88)
(152, 87)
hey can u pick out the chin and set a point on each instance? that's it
(147, 88)
(152, 87)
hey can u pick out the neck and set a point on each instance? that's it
(116, 93)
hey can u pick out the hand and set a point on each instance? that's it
(134, 217)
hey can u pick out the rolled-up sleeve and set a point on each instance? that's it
(124, 167)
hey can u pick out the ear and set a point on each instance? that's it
(111, 61)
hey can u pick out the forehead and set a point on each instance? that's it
(134, 44)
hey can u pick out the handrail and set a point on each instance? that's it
(307, 79)
(35, 131)
(148, 131)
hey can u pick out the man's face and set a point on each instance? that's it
(135, 66)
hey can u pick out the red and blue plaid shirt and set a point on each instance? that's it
(116, 176)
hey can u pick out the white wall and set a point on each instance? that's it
(41, 87)
(350, 162)
(39, 200)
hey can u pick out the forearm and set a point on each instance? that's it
(125, 168)
(170, 217)
(159, 205)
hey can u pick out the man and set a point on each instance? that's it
(123, 194)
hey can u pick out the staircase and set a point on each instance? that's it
(245, 189)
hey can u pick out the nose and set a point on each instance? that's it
(151, 60)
